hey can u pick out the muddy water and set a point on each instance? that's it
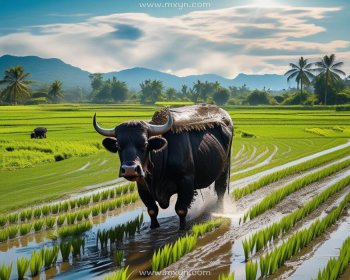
(330, 248)
(94, 264)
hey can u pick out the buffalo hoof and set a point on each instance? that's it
(154, 224)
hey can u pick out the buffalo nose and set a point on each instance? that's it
(130, 170)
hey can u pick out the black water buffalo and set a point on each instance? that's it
(39, 132)
(190, 150)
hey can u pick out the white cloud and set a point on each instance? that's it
(249, 39)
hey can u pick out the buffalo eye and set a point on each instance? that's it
(110, 144)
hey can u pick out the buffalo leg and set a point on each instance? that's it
(150, 203)
(221, 184)
(184, 199)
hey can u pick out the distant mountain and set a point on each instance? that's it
(45, 70)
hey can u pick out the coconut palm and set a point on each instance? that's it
(16, 85)
(301, 72)
(55, 91)
(329, 68)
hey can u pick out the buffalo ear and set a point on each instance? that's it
(157, 143)
(110, 144)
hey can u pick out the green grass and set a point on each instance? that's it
(336, 266)
(261, 239)
(69, 128)
(276, 196)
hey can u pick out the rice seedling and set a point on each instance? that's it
(336, 266)
(54, 208)
(71, 218)
(50, 222)
(111, 193)
(261, 238)
(61, 219)
(171, 253)
(277, 257)
(111, 205)
(96, 197)
(65, 248)
(247, 247)
(29, 214)
(3, 221)
(102, 236)
(86, 213)
(127, 199)
(251, 270)
(73, 203)
(37, 213)
(104, 208)
(50, 256)
(74, 230)
(96, 210)
(201, 229)
(118, 257)
(119, 190)
(118, 202)
(12, 231)
(78, 244)
(22, 267)
(80, 216)
(278, 175)
(45, 210)
(64, 206)
(38, 225)
(121, 274)
(5, 272)
(4, 235)
(84, 200)
(132, 187)
(13, 218)
(25, 229)
(36, 263)
(230, 276)
(276, 196)
(22, 215)
(134, 197)
(125, 189)
(105, 195)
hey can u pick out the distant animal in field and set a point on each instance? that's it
(38, 133)
(180, 151)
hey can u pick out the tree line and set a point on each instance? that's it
(321, 82)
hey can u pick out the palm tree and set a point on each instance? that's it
(17, 87)
(301, 72)
(330, 69)
(55, 91)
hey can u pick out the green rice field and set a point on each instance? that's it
(64, 213)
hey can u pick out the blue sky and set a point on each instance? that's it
(225, 37)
